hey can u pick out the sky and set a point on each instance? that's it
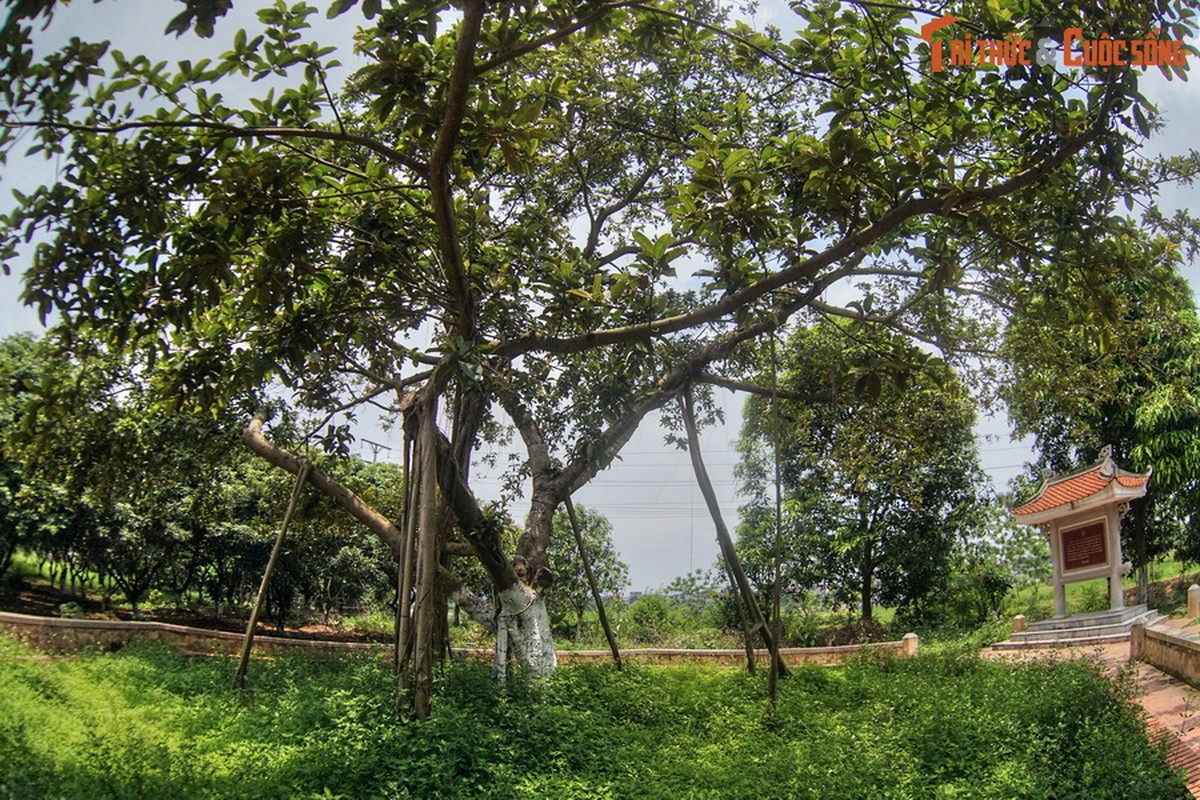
(661, 527)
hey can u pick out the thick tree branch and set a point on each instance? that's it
(350, 502)
(606, 447)
(736, 385)
(535, 444)
(608, 444)
(449, 251)
(731, 302)
(943, 204)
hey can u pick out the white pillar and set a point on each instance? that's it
(1056, 576)
(1116, 587)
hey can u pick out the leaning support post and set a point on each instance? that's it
(776, 547)
(753, 611)
(239, 678)
(743, 618)
(591, 578)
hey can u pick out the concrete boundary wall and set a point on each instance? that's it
(64, 634)
(1175, 652)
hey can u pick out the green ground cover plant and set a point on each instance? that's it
(147, 722)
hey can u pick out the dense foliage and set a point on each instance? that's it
(1078, 384)
(878, 469)
(145, 722)
(103, 485)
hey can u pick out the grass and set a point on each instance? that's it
(1037, 601)
(146, 722)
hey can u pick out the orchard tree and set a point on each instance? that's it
(558, 216)
(109, 481)
(878, 467)
(18, 369)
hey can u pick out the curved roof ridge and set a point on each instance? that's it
(1071, 491)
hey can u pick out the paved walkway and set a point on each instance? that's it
(1172, 707)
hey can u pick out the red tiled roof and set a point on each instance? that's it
(1073, 488)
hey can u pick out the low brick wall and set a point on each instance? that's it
(1173, 651)
(792, 656)
(60, 633)
(57, 633)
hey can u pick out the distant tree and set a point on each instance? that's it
(650, 619)
(696, 591)
(988, 559)
(340, 564)
(878, 467)
(570, 593)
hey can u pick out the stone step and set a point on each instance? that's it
(1086, 629)
(1037, 644)
(1123, 616)
(1089, 631)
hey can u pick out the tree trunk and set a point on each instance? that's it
(524, 617)
(425, 605)
(866, 567)
(1139, 519)
(866, 575)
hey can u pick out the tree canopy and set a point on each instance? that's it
(1078, 384)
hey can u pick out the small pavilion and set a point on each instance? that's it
(1081, 514)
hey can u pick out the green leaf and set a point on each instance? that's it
(339, 7)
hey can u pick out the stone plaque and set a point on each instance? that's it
(1085, 546)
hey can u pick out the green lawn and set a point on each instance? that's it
(147, 723)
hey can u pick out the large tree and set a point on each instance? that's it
(18, 372)
(878, 469)
(486, 221)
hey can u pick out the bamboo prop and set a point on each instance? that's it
(777, 545)
(757, 622)
(591, 578)
(239, 678)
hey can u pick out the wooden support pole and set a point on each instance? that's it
(754, 613)
(591, 578)
(777, 545)
(239, 678)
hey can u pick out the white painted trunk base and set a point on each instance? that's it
(525, 627)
